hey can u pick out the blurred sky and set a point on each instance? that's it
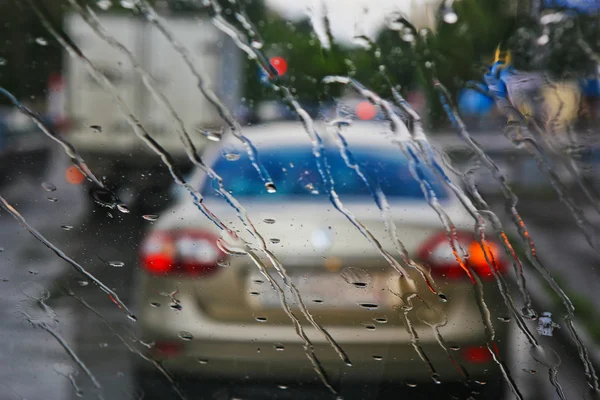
(349, 18)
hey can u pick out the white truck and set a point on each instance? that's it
(98, 129)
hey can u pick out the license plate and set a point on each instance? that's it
(320, 290)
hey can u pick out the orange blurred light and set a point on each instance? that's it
(477, 258)
(74, 176)
(333, 264)
(365, 111)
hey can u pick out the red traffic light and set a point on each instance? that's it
(365, 111)
(279, 64)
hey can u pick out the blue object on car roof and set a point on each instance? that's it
(581, 6)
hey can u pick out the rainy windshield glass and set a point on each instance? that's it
(299, 199)
(297, 175)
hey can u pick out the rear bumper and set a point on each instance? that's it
(288, 362)
(249, 350)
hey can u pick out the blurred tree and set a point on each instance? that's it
(462, 50)
(308, 62)
(455, 53)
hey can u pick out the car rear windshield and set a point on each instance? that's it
(295, 173)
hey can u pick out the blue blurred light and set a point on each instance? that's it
(472, 102)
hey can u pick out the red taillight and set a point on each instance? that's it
(186, 251)
(477, 354)
(167, 349)
(442, 258)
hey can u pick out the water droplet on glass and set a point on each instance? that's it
(2, 61)
(269, 221)
(65, 369)
(442, 297)
(381, 320)
(340, 122)
(223, 263)
(362, 41)
(279, 347)
(450, 17)
(123, 208)
(504, 319)
(408, 37)
(258, 281)
(103, 345)
(96, 128)
(150, 217)
(67, 227)
(104, 197)
(531, 371)
(33, 272)
(370, 327)
(48, 187)
(311, 188)
(129, 4)
(116, 264)
(104, 4)
(176, 306)
(215, 136)
(52, 199)
(41, 41)
(282, 387)
(356, 276)
(270, 186)
(261, 319)
(318, 301)
(368, 306)
(83, 283)
(230, 243)
(254, 294)
(256, 44)
(183, 335)
(231, 156)
(454, 348)
(480, 382)
(35, 291)
(155, 304)
(274, 240)
(411, 384)
(202, 361)
(377, 358)
(132, 317)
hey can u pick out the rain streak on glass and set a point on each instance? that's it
(421, 189)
